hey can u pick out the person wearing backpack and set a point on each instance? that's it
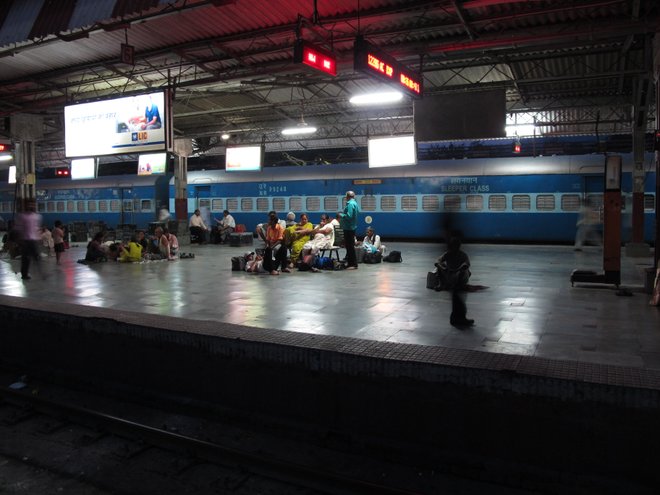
(349, 225)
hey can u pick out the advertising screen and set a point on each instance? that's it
(130, 124)
(393, 151)
(83, 168)
(12, 174)
(153, 163)
(244, 158)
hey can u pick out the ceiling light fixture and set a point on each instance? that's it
(301, 128)
(5, 157)
(382, 98)
(225, 136)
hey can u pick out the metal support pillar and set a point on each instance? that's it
(182, 149)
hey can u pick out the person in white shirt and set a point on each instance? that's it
(324, 237)
(28, 225)
(197, 227)
(371, 242)
(225, 226)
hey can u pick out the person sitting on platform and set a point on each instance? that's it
(198, 228)
(95, 251)
(172, 241)
(132, 251)
(163, 243)
(454, 272)
(254, 263)
(298, 236)
(275, 253)
(261, 228)
(324, 237)
(225, 226)
(371, 242)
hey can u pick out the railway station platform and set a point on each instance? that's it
(560, 382)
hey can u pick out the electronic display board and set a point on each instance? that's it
(315, 57)
(130, 124)
(244, 158)
(375, 62)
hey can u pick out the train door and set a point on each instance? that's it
(126, 206)
(202, 201)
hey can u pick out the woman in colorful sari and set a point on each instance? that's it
(299, 236)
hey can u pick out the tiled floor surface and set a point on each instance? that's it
(529, 307)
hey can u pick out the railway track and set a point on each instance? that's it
(120, 455)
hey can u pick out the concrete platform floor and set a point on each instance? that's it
(529, 307)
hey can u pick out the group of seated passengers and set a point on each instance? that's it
(162, 245)
(300, 238)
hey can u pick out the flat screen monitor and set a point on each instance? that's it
(152, 163)
(12, 174)
(392, 151)
(244, 158)
(83, 168)
(131, 124)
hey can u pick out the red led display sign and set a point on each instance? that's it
(371, 60)
(315, 57)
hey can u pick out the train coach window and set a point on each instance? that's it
(368, 203)
(545, 202)
(295, 204)
(521, 202)
(247, 204)
(313, 203)
(60, 206)
(409, 203)
(330, 203)
(145, 205)
(232, 204)
(497, 202)
(50, 206)
(216, 205)
(80, 206)
(279, 204)
(430, 203)
(115, 205)
(103, 205)
(205, 203)
(5, 206)
(128, 205)
(91, 206)
(570, 202)
(649, 203)
(452, 202)
(474, 202)
(41, 206)
(70, 206)
(262, 204)
(388, 203)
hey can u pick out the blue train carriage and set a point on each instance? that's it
(115, 200)
(525, 199)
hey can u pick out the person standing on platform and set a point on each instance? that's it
(28, 225)
(349, 224)
(58, 240)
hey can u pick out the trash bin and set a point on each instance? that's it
(649, 279)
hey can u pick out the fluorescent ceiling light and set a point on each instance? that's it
(376, 98)
(299, 129)
(225, 136)
(5, 158)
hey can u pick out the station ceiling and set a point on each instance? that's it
(567, 66)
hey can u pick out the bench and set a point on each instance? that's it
(338, 243)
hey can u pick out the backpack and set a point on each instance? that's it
(372, 258)
(324, 263)
(237, 263)
(338, 265)
(393, 257)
